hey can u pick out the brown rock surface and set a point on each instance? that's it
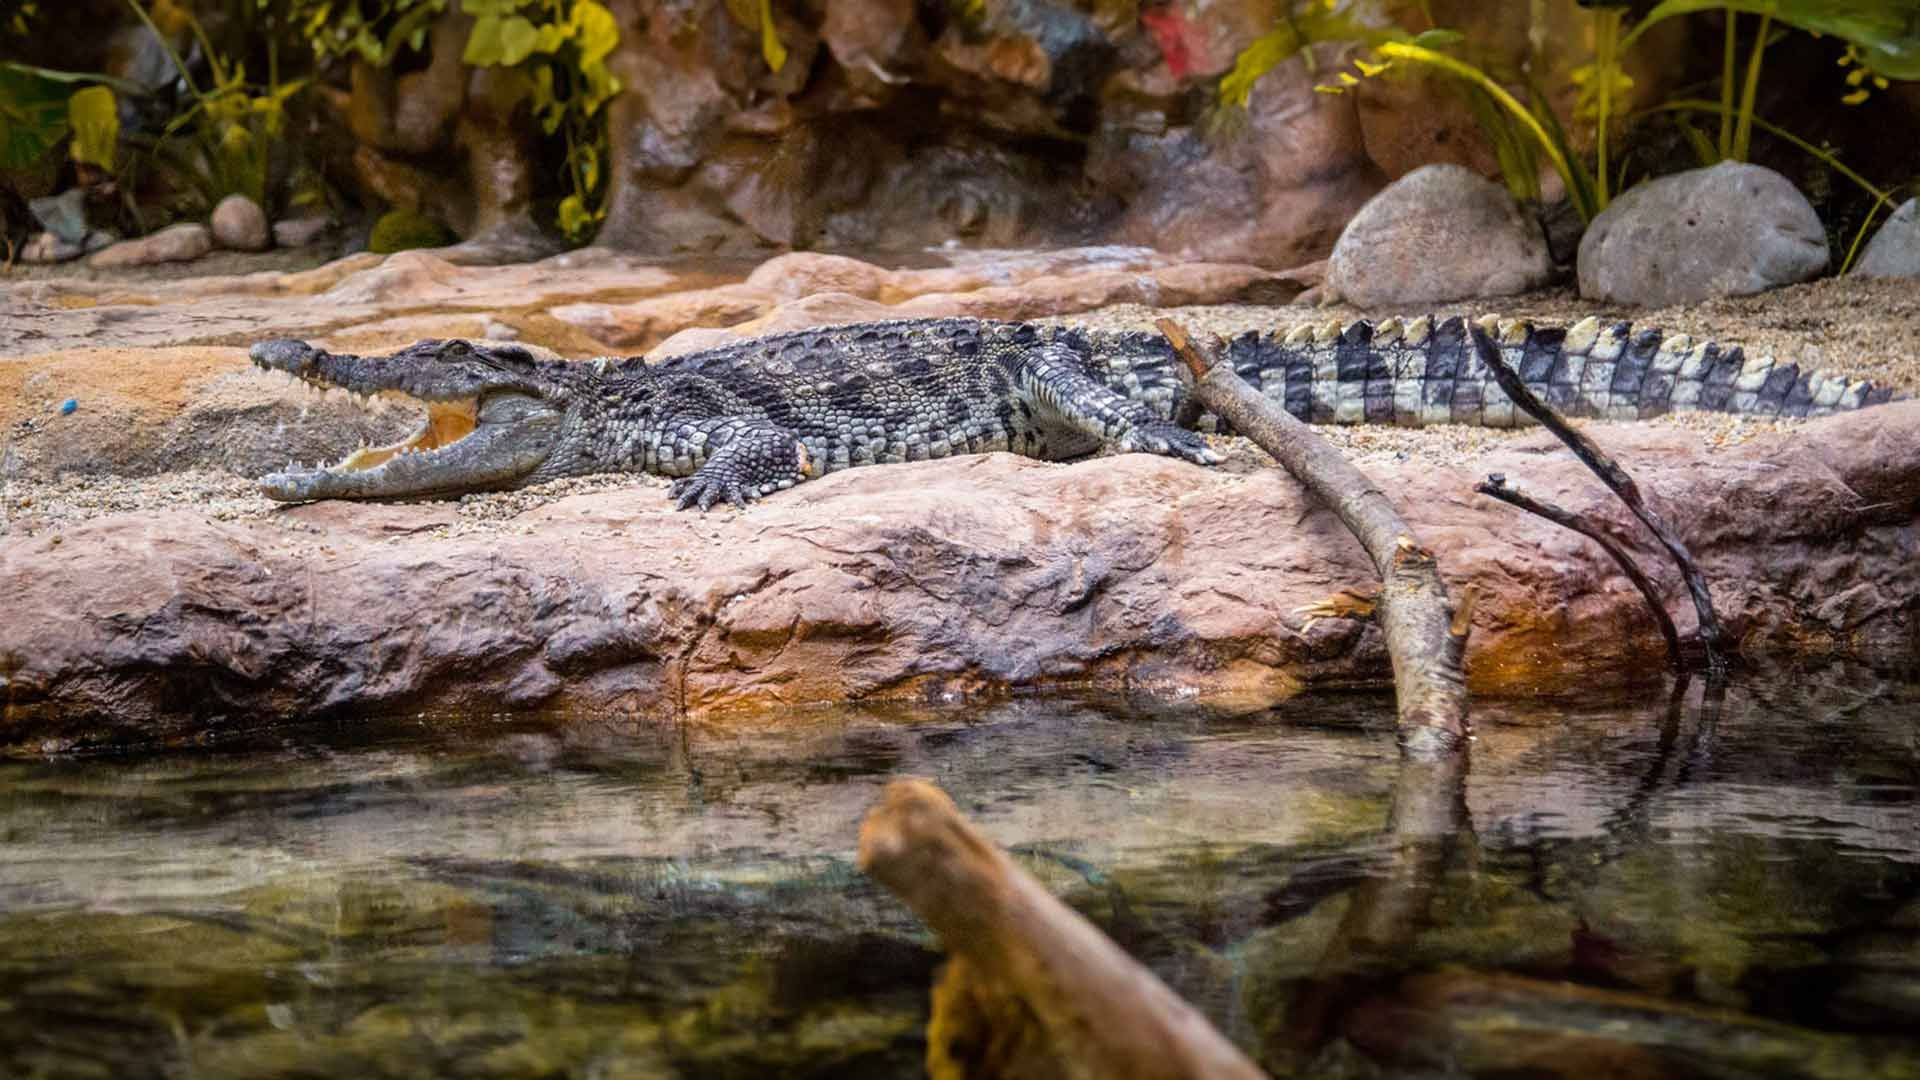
(972, 575)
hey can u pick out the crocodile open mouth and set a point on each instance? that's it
(447, 423)
(493, 438)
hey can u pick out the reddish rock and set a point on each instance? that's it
(1275, 189)
(804, 273)
(642, 325)
(972, 575)
(819, 309)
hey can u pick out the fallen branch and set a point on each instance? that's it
(1019, 955)
(1615, 477)
(1428, 649)
(1496, 486)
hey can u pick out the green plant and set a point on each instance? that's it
(373, 30)
(1299, 27)
(37, 111)
(33, 117)
(236, 126)
(1883, 38)
(563, 45)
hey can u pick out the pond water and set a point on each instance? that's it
(1627, 889)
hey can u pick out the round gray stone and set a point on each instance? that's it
(240, 225)
(1894, 251)
(1439, 233)
(1727, 230)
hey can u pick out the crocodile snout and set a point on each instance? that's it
(282, 354)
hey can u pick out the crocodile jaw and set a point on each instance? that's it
(486, 440)
(458, 449)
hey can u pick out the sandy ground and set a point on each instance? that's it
(1860, 327)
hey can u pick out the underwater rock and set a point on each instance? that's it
(1728, 230)
(1894, 251)
(1439, 233)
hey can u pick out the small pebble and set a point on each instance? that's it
(69, 405)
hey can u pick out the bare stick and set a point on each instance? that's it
(1496, 486)
(1103, 1014)
(1429, 675)
(1615, 477)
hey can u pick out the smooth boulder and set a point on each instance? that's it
(176, 243)
(240, 225)
(1728, 230)
(1894, 251)
(1439, 233)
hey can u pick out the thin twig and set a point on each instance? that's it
(1426, 645)
(1496, 486)
(1615, 477)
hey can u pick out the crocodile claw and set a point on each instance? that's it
(1170, 441)
(702, 491)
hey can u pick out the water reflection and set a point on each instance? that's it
(1629, 888)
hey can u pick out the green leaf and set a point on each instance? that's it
(489, 8)
(33, 117)
(501, 41)
(69, 77)
(596, 29)
(95, 118)
(1439, 38)
(1886, 32)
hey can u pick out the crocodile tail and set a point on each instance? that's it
(1418, 372)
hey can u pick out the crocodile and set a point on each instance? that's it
(746, 419)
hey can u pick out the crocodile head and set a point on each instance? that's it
(495, 416)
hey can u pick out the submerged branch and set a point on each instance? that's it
(1021, 955)
(1617, 478)
(1427, 647)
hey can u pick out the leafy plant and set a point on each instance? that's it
(236, 126)
(373, 30)
(1883, 39)
(37, 111)
(1319, 20)
(33, 117)
(563, 45)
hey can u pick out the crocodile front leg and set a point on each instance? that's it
(745, 458)
(1056, 380)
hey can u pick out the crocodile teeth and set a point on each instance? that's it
(1489, 325)
(1388, 331)
(1514, 332)
(1418, 331)
(1327, 332)
(1300, 334)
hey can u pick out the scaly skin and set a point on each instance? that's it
(744, 420)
